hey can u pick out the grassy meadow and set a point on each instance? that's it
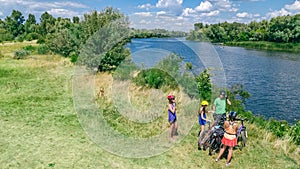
(40, 127)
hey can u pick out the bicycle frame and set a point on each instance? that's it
(211, 140)
(241, 128)
(242, 133)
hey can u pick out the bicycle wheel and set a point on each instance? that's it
(212, 147)
(244, 138)
(205, 144)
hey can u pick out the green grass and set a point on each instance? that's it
(40, 128)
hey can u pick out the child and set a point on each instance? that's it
(172, 116)
(202, 121)
(229, 139)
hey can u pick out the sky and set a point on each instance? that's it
(177, 15)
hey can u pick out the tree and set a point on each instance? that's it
(204, 85)
(76, 19)
(278, 29)
(105, 49)
(95, 20)
(30, 24)
(4, 34)
(47, 23)
(31, 28)
(14, 23)
(63, 42)
(198, 26)
(296, 29)
(64, 36)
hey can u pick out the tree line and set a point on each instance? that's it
(282, 29)
(66, 36)
(62, 35)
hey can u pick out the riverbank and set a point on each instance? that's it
(263, 45)
(40, 128)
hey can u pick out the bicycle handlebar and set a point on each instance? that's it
(239, 119)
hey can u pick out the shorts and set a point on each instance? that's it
(173, 120)
(172, 117)
(201, 121)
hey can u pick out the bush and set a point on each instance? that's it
(279, 128)
(42, 49)
(21, 54)
(41, 40)
(29, 48)
(73, 58)
(260, 121)
(20, 38)
(294, 132)
(32, 36)
(4, 36)
(155, 78)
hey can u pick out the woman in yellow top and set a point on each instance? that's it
(229, 139)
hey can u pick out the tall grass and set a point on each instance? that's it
(40, 129)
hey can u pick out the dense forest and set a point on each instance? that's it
(282, 29)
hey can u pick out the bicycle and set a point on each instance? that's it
(242, 134)
(214, 140)
(205, 136)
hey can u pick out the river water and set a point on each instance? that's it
(272, 78)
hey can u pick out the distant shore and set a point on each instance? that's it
(263, 45)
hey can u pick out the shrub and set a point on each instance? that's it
(279, 128)
(29, 48)
(260, 121)
(42, 49)
(73, 57)
(155, 78)
(21, 54)
(20, 38)
(32, 36)
(294, 132)
(5, 36)
(41, 40)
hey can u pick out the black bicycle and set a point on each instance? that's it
(214, 139)
(202, 140)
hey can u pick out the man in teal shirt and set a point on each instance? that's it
(219, 107)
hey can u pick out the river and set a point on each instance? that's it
(272, 78)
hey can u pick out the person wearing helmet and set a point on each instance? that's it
(219, 107)
(232, 116)
(229, 139)
(202, 121)
(172, 116)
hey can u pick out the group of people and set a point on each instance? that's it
(219, 111)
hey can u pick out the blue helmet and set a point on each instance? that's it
(232, 115)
